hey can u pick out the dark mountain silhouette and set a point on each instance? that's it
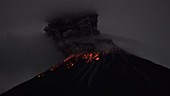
(94, 66)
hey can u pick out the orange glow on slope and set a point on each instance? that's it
(70, 61)
(88, 57)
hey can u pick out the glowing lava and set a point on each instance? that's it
(88, 57)
(72, 59)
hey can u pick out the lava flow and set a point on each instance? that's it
(88, 57)
(70, 61)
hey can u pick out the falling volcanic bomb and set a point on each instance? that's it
(93, 66)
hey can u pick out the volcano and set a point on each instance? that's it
(93, 66)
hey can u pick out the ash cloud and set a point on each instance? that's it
(25, 51)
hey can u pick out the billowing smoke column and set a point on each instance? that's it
(93, 66)
(76, 34)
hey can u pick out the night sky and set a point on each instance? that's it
(139, 26)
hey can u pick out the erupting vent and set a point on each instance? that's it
(74, 58)
(88, 57)
(94, 66)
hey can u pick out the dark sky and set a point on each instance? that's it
(139, 26)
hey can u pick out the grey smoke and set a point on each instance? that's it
(139, 26)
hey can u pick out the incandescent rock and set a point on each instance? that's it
(94, 66)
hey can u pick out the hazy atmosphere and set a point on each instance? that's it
(138, 26)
